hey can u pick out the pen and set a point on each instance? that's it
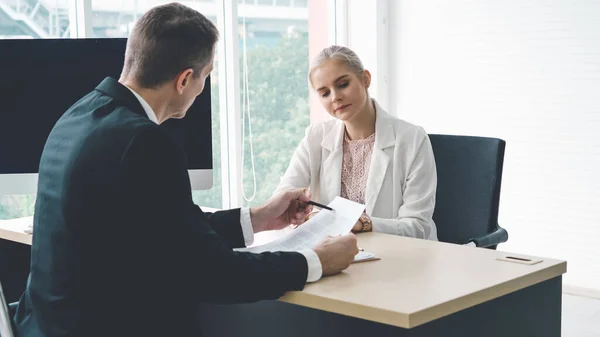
(319, 205)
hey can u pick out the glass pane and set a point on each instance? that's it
(34, 19)
(274, 52)
(16, 206)
(30, 20)
(283, 3)
(116, 19)
(300, 3)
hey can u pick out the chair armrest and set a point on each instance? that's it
(12, 309)
(500, 235)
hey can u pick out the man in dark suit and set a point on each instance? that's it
(119, 247)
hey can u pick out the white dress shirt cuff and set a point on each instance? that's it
(246, 223)
(315, 270)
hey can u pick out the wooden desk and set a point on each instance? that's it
(12, 230)
(418, 288)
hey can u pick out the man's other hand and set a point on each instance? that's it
(337, 253)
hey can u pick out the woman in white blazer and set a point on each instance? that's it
(365, 154)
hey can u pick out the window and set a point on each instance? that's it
(116, 19)
(112, 19)
(275, 104)
(34, 19)
(273, 56)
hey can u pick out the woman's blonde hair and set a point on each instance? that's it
(344, 54)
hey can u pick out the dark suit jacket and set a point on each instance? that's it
(119, 247)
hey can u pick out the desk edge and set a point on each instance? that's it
(473, 299)
(411, 320)
(14, 236)
(340, 307)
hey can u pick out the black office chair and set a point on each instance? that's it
(469, 171)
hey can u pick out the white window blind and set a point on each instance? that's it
(526, 71)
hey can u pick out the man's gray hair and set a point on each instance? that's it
(165, 41)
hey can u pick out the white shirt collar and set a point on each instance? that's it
(147, 108)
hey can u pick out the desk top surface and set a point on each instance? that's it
(417, 281)
(14, 230)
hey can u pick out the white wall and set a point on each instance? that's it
(527, 71)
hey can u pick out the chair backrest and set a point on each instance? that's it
(469, 171)
(5, 320)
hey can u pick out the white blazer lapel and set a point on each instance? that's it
(331, 174)
(384, 137)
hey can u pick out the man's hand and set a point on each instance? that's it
(337, 253)
(286, 208)
(311, 215)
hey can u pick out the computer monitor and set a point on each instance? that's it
(40, 79)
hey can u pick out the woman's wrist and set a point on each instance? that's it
(367, 224)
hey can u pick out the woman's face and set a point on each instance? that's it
(342, 92)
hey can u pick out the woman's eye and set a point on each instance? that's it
(343, 85)
(325, 94)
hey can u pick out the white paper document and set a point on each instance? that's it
(325, 223)
(363, 256)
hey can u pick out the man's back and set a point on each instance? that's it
(119, 248)
(92, 266)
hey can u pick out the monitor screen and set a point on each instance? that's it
(40, 79)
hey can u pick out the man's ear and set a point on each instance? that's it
(367, 78)
(183, 80)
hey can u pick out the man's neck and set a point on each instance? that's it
(155, 98)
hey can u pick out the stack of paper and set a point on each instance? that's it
(325, 223)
